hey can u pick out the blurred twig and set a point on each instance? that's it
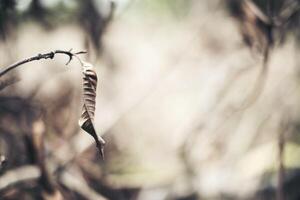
(19, 175)
(283, 130)
(259, 82)
(257, 30)
(2, 161)
(7, 82)
(94, 23)
(38, 158)
(281, 145)
(74, 181)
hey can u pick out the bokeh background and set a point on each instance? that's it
(196, 99)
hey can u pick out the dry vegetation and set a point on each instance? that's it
(195, 99)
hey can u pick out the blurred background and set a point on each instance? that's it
(196, 99)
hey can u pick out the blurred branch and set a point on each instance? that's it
(74, 181)
(257, 30)
(281, 145)
(36, 145)
(2, 161)
(253, 8)
(283, 130)
(286, 13)
(259, 83)
(7, 82)
(95, 23)
(42, 56)
(19, 175)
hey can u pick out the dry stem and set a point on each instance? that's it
(49, 55)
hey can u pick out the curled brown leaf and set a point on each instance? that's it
(86, 121)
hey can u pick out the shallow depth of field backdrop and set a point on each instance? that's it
(182, 101)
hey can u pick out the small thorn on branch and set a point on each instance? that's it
(81, 52)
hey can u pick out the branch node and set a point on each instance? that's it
(51, 56)
(39, 56)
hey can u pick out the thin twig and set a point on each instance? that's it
(49, 55)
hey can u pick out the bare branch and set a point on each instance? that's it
(49, 55)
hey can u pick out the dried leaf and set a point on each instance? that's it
(86, 121)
